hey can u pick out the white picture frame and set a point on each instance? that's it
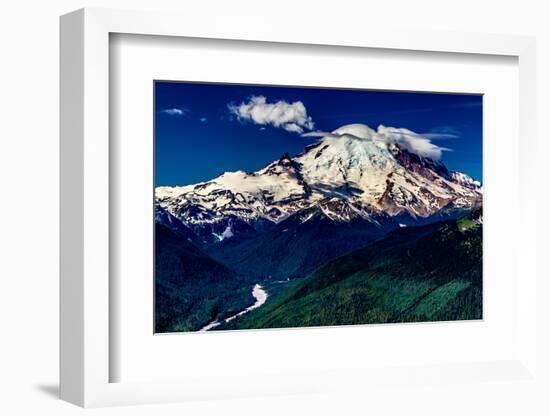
(85, 266)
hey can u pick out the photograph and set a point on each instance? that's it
(290, 207)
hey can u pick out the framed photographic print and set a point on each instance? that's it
(297, 212)
(264, 218)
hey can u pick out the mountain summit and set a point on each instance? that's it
(388, 171)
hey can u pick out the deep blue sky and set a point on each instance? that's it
(204, 140)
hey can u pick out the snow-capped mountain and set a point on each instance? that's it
(353, 171)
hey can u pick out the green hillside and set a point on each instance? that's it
(191, 288)
(428, 273)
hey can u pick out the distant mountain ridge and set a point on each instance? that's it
(354, 171)
(300, 243)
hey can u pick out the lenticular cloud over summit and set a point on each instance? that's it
(289, 116)
(413, 142)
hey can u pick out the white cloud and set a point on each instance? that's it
(174, 111)
(318, 134)
(203, 119)
(290, 116)
(419, 144)
(413, 142)
(442, 133)
(439, 136)
(293, 127)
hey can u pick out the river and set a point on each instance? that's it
(259, 294)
